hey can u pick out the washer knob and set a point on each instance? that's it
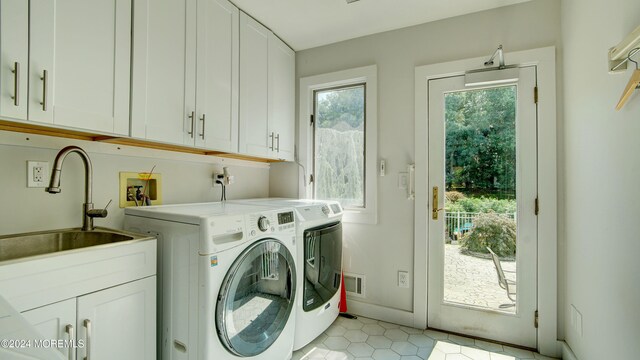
(263, 223)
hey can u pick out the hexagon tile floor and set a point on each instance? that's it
(366, 339)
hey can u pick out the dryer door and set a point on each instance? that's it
(256, 298)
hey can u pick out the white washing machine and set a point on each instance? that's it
(319, 259)
(227, 279)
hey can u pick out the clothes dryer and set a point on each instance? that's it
(319, 259)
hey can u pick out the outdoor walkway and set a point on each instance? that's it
(473, 281)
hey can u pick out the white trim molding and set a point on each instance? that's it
(547, 270)
(369, 76)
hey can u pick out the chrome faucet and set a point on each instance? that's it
(88, 212)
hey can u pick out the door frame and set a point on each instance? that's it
(545, 61)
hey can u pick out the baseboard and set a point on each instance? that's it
(567, 353)
(378, 312)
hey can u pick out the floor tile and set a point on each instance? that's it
(436, 335)
(421, 340)
(396, 335)
(385, 354)
(360, 349)
(475, 354)
(404, 348)
(356, 336)
(379, 342)
(373, 329)
(336, 343)
(368, 339)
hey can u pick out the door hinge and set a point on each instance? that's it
(537, 206)
(310, 178)
(535, 95)
(535, 319)
(311, 119)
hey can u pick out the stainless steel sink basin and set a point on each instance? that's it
(20, 246)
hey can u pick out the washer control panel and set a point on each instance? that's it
(268, 222)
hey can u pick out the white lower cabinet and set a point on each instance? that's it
(114, 323)
(56, 322)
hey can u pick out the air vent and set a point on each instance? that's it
(354, 284)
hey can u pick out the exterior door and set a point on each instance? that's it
(482, 188)
(256, 298)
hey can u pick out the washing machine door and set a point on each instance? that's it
(256, 298)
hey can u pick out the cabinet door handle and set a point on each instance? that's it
(16, 83)
(271, 137)
(45, 81)
(192, 117)
(87, 325)
(72, 348)
(202, 133)
(278, 143)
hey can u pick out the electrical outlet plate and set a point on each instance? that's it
(37, 174)
(403, 279)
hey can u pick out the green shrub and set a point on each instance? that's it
(482, 205)
(453, 196)
(493, 230)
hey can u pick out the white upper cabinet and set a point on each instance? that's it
(14, 56)
(217, 75)
(79, 67)
(255, 138)
(267, 93)
(185, 76)
(163, 85)
(282, 64)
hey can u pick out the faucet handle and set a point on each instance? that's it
(101, 213)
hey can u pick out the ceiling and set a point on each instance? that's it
(304, 24)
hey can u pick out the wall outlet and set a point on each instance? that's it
(37, 174)
(403, 279)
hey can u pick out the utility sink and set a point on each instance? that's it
(25, 245)
(45, 267)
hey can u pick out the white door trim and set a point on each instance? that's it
(545, 60)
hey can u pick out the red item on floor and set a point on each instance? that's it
(342, 305)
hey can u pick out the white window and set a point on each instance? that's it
(338, 139)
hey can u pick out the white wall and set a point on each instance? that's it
(602, 172)
(186, 178)
(379, 251)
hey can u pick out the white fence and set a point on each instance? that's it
(459, 223)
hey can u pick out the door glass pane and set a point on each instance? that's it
(322, 266)
(480, 199)
(256, 298)
(339, 145)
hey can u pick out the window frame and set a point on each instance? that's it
(314, 142)
(366, 76)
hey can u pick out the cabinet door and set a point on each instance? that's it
(282, 68)
(255, 138)
(119, 322)
(14, 52)
(163, 84)
(79, 66)
(217, 75)
(55, 321)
